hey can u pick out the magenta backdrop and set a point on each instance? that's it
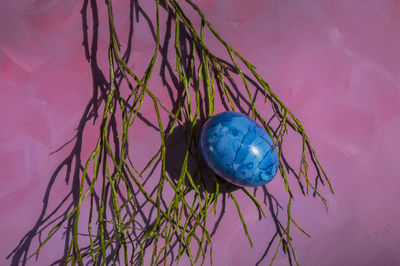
(336, 64)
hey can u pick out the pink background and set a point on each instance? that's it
(336, 64)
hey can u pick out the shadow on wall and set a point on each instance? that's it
(176, 150)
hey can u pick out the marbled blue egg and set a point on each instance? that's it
(238, 149)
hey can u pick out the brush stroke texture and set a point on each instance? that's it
(335, 63)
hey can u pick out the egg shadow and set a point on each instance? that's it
(202, 176)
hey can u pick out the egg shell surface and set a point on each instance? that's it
(238, 149)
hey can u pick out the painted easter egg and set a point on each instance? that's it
(238, 149)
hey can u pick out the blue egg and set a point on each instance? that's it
(238, 149)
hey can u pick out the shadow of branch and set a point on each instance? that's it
(176, 148)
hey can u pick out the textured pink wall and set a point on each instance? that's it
(335, 63)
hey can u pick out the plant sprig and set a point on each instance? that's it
(180, 223)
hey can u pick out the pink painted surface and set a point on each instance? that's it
(336, 64)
